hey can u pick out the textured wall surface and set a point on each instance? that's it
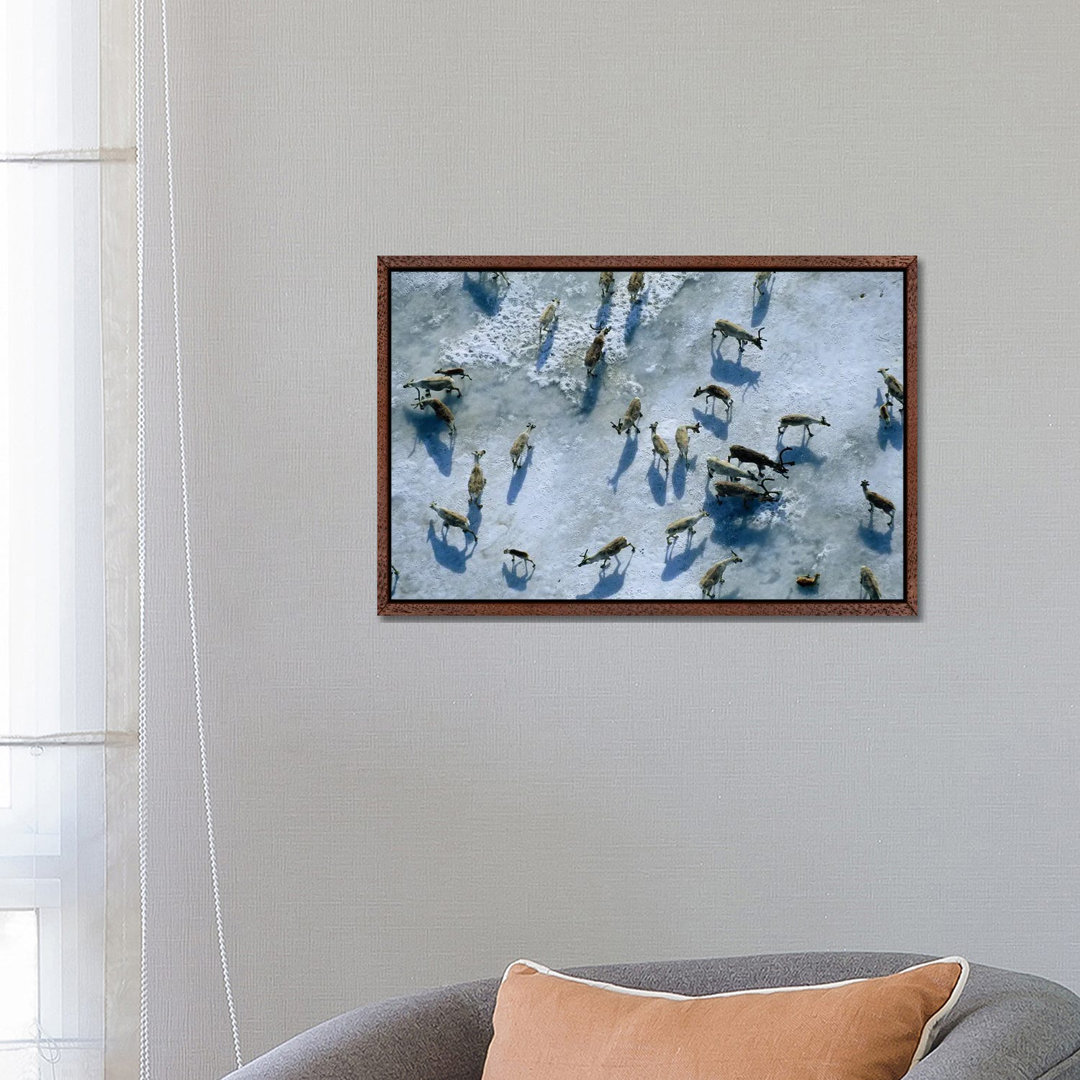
(405, 803)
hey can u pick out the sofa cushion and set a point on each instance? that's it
(552, 1026)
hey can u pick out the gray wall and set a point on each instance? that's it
(405, 803)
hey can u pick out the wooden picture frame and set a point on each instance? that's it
(836, 329)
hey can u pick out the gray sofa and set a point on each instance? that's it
(1006, 1026)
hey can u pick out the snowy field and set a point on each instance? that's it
(582, 484)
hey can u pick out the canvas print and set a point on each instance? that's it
(647, 436)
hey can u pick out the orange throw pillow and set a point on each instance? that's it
(550, 1026)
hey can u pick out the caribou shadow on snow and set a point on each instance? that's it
(678, 475)
(657, 483)
(798, 455)
(735, 528)
(674, 565)
(626, 458)
(732, 372)
(713, 422)
(608, 584)
(514, 578)
(428, 430)
(514, 490)
(484, 292)
(592, 390)
(543, 350)
(890, 434)
(876, 539)
(446, 554)
(633, 319)
(720, 595)
(761, 306)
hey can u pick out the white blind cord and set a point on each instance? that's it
(207, 803)
(140, 199)
(140, 453)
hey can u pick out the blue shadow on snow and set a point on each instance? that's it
(629, 452)
(730, 371)
(732, 525)
(484, 292)
(428, 430)
(761, 305)
(608, 584)
(890, 434)
(543, 350)
(518, 478)
(678, 475)
(876, 539)
(514, 578)
(592, 390)
(674, 565)
(657, 483)
(798, 455)
(712, 422)
(719, 594)
(453, 558)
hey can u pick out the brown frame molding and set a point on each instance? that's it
(386, 605)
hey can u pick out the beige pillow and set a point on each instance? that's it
(550, 1026)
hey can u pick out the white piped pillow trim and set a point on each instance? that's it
(929, 1028)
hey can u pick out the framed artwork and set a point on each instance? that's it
(647, 435)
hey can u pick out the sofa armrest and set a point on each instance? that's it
(440, 1034)
(1007, 1026)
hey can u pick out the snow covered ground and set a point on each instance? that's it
(825, 335)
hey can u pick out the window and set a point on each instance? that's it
(52, 580)
(19, 948)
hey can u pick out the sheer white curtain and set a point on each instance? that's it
(62, 242)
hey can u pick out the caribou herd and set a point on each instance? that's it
(742, 475)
